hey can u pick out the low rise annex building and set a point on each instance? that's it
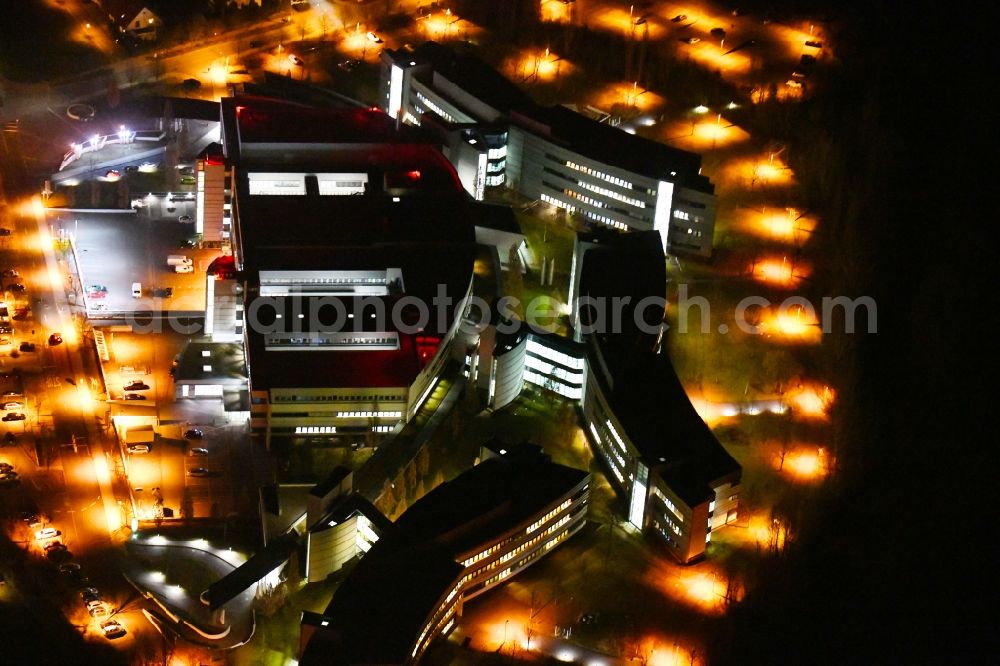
(496, 136)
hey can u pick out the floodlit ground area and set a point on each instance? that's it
(116, 250)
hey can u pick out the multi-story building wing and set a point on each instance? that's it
(496, 136)
(465, 537)
(345, 231)
(678, 480)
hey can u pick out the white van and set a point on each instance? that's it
(136, 290)
(179, 260)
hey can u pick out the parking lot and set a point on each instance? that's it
(117, 249)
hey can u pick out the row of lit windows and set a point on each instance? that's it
(382, 428)
(618, 438)
(614, 195)
(315, 430)
(557, 203)
(496, 153)
(584, 198)
(494, 181)
(674, 527)
(547, 517)
(611, 455)
(368, 415)
(500, 545)
(604, 219)
(545, 381)
(332, 342)
(614, 180)
(435, 108)
(493, 167)
(335, 398)
(551, 370)
(535, 347)
(670, 505)
(296, 280)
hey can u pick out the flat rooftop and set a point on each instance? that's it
(400, 208)
(641, 386)
(598, 141)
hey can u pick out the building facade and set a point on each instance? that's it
(343, 228)
(465, 537)
(497, 137)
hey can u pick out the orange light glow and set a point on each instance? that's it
(536, 65)
(806, 464)
(779, 272)
(629, 94)
(699, 586)
(792, 325)
(219, 74)
(112, 513)
(786, 225)
(710, 54)
(507, 632)
(442, 26)
(632, 24)
(763, 171)
(767, 532)
(554, 11)
(811, 401)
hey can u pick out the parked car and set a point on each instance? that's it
(198, 471)
(193, 433)
(372, 37)
(814, 44)
(690, 40)
(16, 287)
(295, 60)
(112, 629)
(198, 451)
(138, 448)
(20, 313)
(13, 416)
(46, 533)
(136, 386)
(113, 174)
(4, 232)
(55, 339)
(718, 33)
(184, 218)
(349, 65)
(679, 18)
(9, 406)
(10, 272)
(90, 594)
(134, 396)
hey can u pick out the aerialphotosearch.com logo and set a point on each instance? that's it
(300, 313)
